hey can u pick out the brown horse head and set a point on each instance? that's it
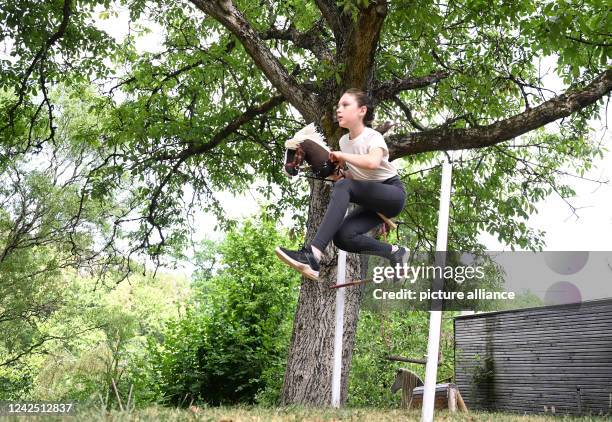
(309, 145)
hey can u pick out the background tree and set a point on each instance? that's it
(109, 359)
(51, 224)
(213, 107)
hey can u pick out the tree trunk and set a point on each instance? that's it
(308, 375)
(309, 366)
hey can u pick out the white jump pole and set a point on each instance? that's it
(339, 331)
(435, 319)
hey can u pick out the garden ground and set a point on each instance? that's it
(294, 414)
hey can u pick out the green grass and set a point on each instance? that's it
(259, 414)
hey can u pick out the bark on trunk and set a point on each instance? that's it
(309, 366)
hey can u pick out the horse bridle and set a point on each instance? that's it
(298, 159)
(321, 172)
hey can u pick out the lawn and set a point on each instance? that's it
(258, 414)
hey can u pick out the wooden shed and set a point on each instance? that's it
(553, 359)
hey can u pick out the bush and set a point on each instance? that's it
(237, 330)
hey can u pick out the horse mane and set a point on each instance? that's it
(308, 132)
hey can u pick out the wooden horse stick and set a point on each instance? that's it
(352, 283)
(390, 223)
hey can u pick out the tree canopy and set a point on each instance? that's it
(232, 80)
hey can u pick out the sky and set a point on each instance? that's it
(587, 228)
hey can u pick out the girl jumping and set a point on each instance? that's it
(371, 182)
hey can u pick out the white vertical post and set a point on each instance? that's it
(339, 331)
(435, 318)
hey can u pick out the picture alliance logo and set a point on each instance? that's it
(427, 272)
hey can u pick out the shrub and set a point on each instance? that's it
(238, 327)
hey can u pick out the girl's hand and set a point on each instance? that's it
(336, 156)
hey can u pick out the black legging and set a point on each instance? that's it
(385, 197)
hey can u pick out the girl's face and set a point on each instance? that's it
(349, 113)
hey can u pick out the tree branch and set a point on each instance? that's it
(61, 30)
(388, 89)
(408, 114)
(445, 139)
(333, 16)
(224, 11)
(42, 341)
(307, 40)
(248, 115)
(583, 41)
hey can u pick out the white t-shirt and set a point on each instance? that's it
(363, 144)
